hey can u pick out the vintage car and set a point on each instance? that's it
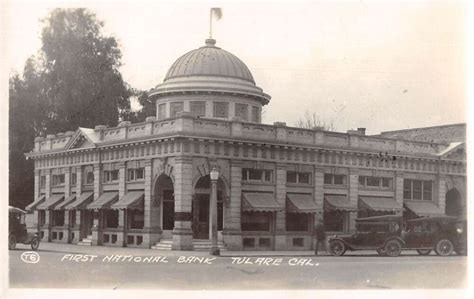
(17, 230)
(380, 233)
(443, 234)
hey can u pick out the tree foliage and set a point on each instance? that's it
(314, 122)
(74, 81)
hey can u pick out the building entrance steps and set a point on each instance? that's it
(86, 241)
(269, 253)
(198, 245)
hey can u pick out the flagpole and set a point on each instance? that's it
(210, 23)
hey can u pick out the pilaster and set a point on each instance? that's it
(232, 233)
(353, 182)
(182, 233)
(280, 217)
(398, 186)
(151, 212)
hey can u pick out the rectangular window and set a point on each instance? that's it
(89, 178)
(136, 174)
(176, 107)
(427, 190)
(255, 114)
(297, 222)
(110, 218)
(58, 218)
(58, 179)
(241, 110)
(375, 182)
(198, 108)
(327, 179)
(338, 179)
(136, 219)
(42, 181)
(334, 179)
(386, 182)
(298, 177)
(417, 189)
(111, 176)
(256, 221)
(73, 179)
(221, 109)
(257, 175)
(161, 111)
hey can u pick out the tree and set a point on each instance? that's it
(73, 81)
(147, 107)
(312, 121)
(81, 71)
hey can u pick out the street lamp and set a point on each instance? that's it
(213, 209)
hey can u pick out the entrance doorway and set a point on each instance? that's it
(200, 208)
(454, 206)
(87, 221)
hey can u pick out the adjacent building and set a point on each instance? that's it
(147, 184)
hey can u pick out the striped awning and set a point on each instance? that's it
(259, 202)
(35, 203)
(81, 202)
(339, 203)
(132, 200)
(383, 204)
(51, 202)
(65, 202)
(301, 203)
(423, 208)
(105, 201)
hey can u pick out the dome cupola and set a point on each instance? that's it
(212, 83)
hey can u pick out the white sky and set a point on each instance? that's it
(381, 65)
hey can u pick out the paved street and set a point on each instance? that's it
(72, 266)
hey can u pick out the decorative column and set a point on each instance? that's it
(439, 196)
(280, 217)
(319, 193)
(152, 230)
(399, 190)
(183, 190)
(34, 224)
(67, 193)
(76, 227)
(232, 233)
(122, 213)
(97, 222)
(46, 227)
(353, 198)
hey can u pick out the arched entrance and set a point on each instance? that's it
(454, 206)
(200, 207)
(164, 198)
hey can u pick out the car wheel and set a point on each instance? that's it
(444, 247)
(11, 242)
(35, 243)
(381, 252)
(337, 247)
(393, 248)
(423, 251)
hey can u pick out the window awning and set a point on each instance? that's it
(51, 202)
(132, 200)
(65, 202)
(105, 201)
(259, 202)
(383, 204)
(301, 203)
(339, 203)
(35, 203)
(423, 208)
(81, 202)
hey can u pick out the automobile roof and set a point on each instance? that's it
(15, 210)
(434, 218)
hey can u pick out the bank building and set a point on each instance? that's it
(149, 184)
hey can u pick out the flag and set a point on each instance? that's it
(216, 12)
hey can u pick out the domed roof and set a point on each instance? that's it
(210, 60)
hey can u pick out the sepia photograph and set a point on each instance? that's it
(302, 148)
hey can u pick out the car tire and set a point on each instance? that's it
(444, 247)
(337, 248)
(11, 242)
(423, 251)
(35, 243)
(393, 248)
(381, 252)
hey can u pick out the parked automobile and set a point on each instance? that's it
(17, 232)
(443, 234)
(380, 233)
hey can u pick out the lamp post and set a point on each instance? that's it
(213, 210)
